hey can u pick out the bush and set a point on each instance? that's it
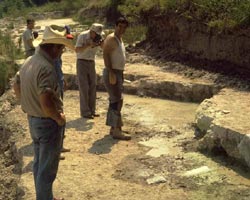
(135, 33)
(8, 54)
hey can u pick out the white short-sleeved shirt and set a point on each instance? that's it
(27, 35)
(90, 52)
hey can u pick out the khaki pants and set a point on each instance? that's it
(86, 75)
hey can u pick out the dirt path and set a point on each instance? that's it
(99, 167)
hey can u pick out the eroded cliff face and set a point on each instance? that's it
(187, 37)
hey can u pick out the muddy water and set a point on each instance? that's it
(160, 112)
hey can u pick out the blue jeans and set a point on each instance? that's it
(47, 137)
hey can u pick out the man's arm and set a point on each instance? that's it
(49, 108)
(17, 90)
(30, 42)
(82, 48)
(108, 47)
(82, 44)
(16, 86)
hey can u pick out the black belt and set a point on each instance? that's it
(86, 60)
(38, 117)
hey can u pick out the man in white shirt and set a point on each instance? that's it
(87, 45)
(28, 38)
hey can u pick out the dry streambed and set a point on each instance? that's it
(160, 162)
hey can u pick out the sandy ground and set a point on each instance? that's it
(159, 163)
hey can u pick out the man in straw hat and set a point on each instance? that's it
(86, 47)
(37, 86)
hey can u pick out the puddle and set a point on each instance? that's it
(158, 112)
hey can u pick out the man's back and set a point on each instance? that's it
(37, 75)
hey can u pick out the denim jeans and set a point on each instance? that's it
(47, 137)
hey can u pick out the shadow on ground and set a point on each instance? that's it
(80, 124)
(103, 145)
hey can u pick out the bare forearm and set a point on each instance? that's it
(107, 61)
(82, 48)
(17, 90)
(31, 43)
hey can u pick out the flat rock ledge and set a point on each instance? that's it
(148, 80)
(224, 122)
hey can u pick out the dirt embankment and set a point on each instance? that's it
(177, 37)
(10, 167)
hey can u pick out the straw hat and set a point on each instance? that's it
(97, 28)
(54, 36)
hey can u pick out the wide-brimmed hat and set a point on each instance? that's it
(54, 36)
(97, 28)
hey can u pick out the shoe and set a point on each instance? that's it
(88, 116)
(62, 157)
(58, 198)
(111, 131)
(64, 150)
(96, 115)
(119, 135)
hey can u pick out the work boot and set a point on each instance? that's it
(95, 114)
(119, 135)
(111, 131)
(64, 150)
(62, 157)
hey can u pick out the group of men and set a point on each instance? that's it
(37, 84)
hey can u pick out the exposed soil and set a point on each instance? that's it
(160, 162)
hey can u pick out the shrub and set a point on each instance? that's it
(8, 54)
(135, 33)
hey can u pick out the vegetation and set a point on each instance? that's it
(215, 13)
(222, 14)
(8, 54)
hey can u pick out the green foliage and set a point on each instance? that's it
(134, 34)
(3, 76)
(215, 13)
(8, 54)
(10, 7)
(230, 13)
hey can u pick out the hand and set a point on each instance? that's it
(112, 78)
(62, 120)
